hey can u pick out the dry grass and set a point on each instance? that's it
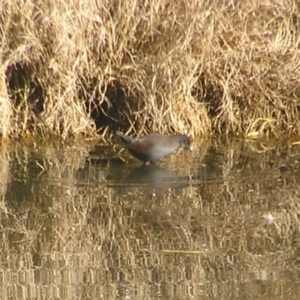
(72, 67)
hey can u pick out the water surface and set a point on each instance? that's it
(89, 222)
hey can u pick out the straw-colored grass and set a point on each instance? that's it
(74, 67)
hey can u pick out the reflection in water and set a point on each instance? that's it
(153, 178)
(223, 224)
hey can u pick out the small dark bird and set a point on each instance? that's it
(150, 148)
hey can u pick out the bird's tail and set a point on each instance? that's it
(125, 139)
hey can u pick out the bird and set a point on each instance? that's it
(150, 148)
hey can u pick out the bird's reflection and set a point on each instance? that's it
(154, 178)
(150, 178)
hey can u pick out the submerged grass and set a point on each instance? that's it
(73, 68)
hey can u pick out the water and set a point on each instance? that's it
(88, 222)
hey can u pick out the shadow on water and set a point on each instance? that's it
(220, 223)
(150, 178)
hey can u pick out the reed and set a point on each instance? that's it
(74, 68)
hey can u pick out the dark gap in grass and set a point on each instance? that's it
(109, 112)
(210, 94)
(23, 89)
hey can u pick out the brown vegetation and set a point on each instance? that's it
(72, 67)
